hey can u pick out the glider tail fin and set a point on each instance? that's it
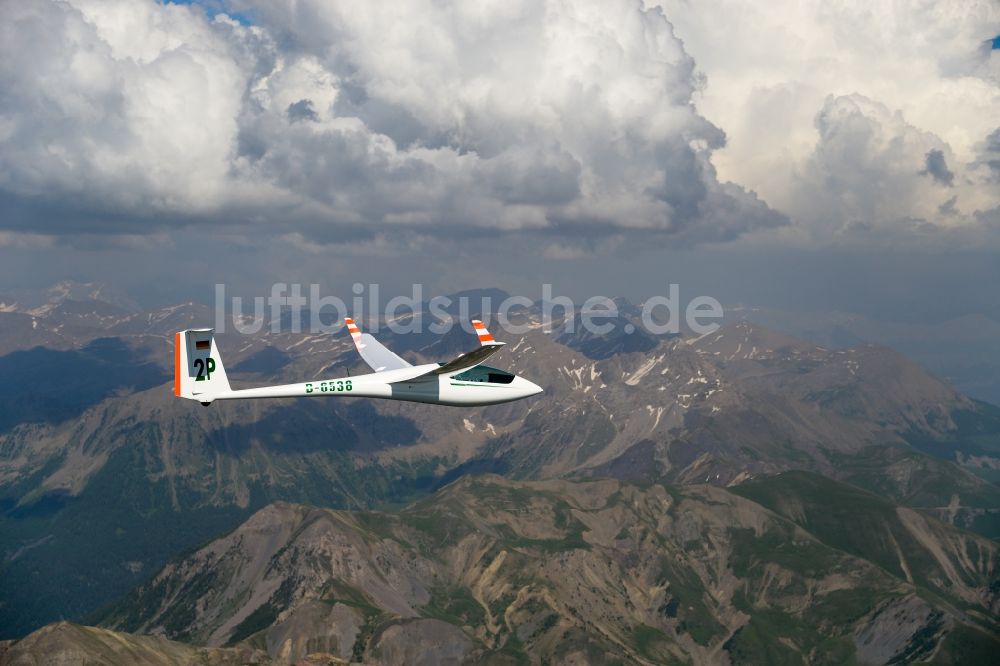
(198, 370)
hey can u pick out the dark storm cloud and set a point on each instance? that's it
(948, 207)
(992, 153)
(301, 110)
(535, 117)
(568, 127)
(936, 167)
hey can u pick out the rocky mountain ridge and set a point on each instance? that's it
(108, 457)
(489, 569)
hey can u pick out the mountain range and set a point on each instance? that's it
(744, 496)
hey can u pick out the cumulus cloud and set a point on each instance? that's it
(867, 168)
(591, 125)
(115, 106)
(331, 119)
(833, 108)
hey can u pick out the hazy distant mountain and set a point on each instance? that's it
(964, 350)
(105, 475)
(40, 300)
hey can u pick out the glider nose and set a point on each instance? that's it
(531, 388)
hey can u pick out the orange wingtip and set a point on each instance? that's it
(484, 335)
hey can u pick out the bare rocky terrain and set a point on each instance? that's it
(587, 572)
(105, 477)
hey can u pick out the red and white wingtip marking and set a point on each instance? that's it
(355, 332)
(484, 335)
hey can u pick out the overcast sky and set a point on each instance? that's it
(803, 154)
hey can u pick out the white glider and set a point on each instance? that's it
(199, 375)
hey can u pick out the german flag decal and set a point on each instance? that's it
(203, 344)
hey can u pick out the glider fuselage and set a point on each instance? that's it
(397, 385)
(199, 374)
